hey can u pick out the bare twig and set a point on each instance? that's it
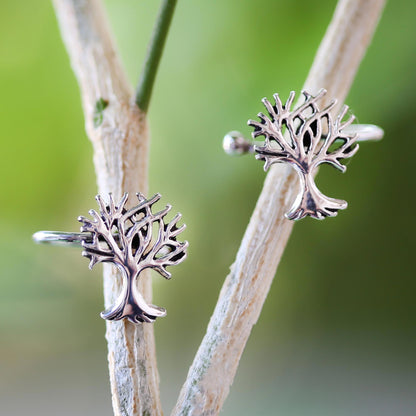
(154, 53)
(246, 287)
(119, 134)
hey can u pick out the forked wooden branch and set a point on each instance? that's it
(119, 134)
(246, 287)
(118, 131)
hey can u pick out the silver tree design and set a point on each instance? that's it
(311, 137)
(133, 240)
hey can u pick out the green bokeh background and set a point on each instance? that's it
(337, 333)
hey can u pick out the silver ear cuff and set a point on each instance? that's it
(304, 137)
(133, 240)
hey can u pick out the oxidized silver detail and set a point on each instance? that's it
(302, 147)
(133, 240)
(235, 144)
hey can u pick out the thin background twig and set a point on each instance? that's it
(118, 130)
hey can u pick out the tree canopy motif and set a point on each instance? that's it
(305, 137)
(133, 240)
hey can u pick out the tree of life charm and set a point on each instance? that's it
(305, 137)
(133, 240)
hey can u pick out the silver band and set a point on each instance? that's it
(61, 238)
(366, 132)
(131, 239)
(234, 143)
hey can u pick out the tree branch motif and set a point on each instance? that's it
(312, 138)
(133, 240)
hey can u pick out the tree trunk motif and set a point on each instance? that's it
(131, 304)
(311, 201)
(133, 240)
(311, 138)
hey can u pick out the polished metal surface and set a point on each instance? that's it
(305, 138)
(133, 240)
(365, 132)
(60, 238)
(235, 144)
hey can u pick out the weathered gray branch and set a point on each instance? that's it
(246, 287)
(119, 134)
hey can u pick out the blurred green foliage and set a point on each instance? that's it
(337, 332)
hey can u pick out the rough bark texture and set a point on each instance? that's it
(119, 134)
(246, 287)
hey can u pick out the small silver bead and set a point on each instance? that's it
(235, 144)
